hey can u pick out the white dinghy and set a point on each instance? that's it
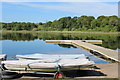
(50, 56)
(47, 63)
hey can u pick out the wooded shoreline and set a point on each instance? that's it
(82, 23)
(86, 32)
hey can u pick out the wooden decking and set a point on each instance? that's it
(109, 53)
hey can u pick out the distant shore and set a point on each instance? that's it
(25, 31)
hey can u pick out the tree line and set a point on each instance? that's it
(82, 23)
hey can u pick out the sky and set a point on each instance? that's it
(39, 11)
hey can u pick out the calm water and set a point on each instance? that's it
(29, 43)
(12, 48)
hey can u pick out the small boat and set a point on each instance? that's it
(48, 56)
(47, 63)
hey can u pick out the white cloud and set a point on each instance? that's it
(79, 8)
(60, 0)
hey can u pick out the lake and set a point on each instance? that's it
(14, 43)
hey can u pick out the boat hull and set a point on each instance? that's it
(36, 65)
(82, 67)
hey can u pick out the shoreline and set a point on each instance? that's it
(86, 32)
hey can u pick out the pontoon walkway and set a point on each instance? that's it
(109, 53)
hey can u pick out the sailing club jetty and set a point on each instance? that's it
(105, 53)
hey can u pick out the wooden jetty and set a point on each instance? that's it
(86, 44)
(71, 41)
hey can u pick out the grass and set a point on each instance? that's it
(85, 32)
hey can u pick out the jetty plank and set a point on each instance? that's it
(112, 54)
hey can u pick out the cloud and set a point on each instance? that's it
(79, 8)
(60, 0)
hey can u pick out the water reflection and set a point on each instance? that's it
(13, 48)
(109, 40)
